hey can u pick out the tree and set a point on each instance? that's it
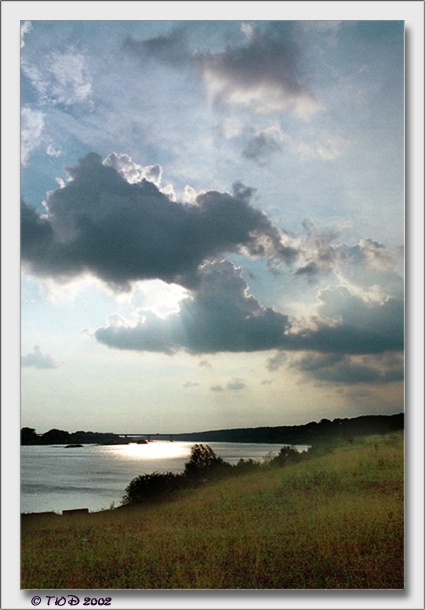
(29, 436)
(204, 463)
(55, 436)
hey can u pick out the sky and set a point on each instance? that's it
(212, 223)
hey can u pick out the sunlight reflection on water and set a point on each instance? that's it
(155, 450)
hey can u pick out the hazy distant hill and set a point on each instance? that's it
(303, 434)
(306, 434)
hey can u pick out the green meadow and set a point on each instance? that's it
(334, 520)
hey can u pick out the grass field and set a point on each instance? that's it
(335, 521)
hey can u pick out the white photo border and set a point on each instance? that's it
(412, 13)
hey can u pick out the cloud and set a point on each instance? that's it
(346, 323)
(310, 271)
(367, 268)
(260, 75)
(32, 126)
(26, 27)
(219, 316)
(232, 128)
(61, 78)
(133, 172)
(170, 49)
(111, 223)
(344, 369)
(38, 360)
(52, 151)
(217, 388)
(276, 361)
(190, 384)
(372, 253)
(262, 143)
(235, 385)
(119, 232)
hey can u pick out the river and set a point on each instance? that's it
(56, 478)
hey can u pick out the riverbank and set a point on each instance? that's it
(305, 434)
(333, 522)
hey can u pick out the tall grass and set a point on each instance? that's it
(332, 522)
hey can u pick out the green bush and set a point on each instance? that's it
(204, 464)
(149, 487)
(244, 466)
(287, 455)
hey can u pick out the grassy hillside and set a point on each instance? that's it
(331, 522)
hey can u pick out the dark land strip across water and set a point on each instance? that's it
(310, 433)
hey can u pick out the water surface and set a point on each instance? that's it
(55, 478)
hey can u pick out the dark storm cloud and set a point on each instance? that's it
(219, 317)
(365, 327)
(121, 232)
(261, 74)
(368, 336)
(343, 369)
(38, 360)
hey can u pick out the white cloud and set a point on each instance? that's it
(32, 126)
(131, 171)
(52, 151)
(248, 29)
(62, 78)
(232, 128)
(261, 98)
(26, 27)
(190, 194)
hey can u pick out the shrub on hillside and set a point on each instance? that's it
(244, 466)
(205, 464)
(148, 487)
(287, 455)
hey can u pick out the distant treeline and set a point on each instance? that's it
(61, 437)
(306, 434)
